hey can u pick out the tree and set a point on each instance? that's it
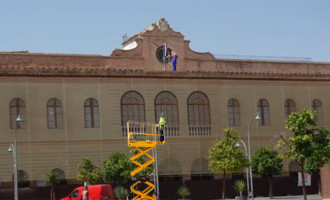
(225, 157)
(317, 160)
(117, 168)
(51, 179)
(267, 163)
(309, 146)
(88, 172)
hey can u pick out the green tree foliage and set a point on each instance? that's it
(267, 163)
(309, 145)
(225, 157)
(117, 168)
(51, 179)
(321, 154)
(87, 171)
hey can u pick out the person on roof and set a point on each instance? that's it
(174, 56)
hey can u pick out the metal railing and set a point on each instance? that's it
(135, 128)
(142, 131)
(170, 131)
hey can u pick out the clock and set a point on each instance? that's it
(160, 54)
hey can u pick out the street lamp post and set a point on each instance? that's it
(13, 148)
(238, 144)
(255, 117)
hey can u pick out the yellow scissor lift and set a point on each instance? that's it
(143, 137)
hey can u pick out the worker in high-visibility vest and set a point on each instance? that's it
(161, 125)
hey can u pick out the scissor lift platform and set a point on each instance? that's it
(143, 137)
(147, 143)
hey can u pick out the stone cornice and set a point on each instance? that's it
(54, 65)
(118, 73)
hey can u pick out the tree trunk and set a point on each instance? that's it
(270, 183)
(52, 193)
(303, 181)
(223, 185)
(319, 183)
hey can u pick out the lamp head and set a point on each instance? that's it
(238, 144)
(19, 118)
(10, 148)
(257, 116)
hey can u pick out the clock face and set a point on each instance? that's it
(160, 54)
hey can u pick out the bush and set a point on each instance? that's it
(239, 186)
(183, 192)
(120, 192)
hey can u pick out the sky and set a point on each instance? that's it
(282, 28)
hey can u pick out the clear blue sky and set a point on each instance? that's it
(290, 28)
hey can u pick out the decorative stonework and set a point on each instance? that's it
(162, 24)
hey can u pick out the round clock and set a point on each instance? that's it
(163, 58)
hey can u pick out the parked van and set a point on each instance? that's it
(96, 192)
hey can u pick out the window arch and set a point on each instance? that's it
(199, 114)
(289, 107)
(234, 118)
(54, 113)
(91, 108)
(170, 166)
(132, 108)
(59, 173)
(22, 175)
(263, 109)
(166, 103)
(17, 106)
(317, 108)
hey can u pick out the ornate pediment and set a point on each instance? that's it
(161, 27)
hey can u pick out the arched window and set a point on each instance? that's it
(199, 114)
(132, 108)
(54, 113)
(92, 119)
(170, 166)
(17, 106)
(22, 175)
(234, 118)
(317, 108)
(59, 174)
(166, 104)
(289, 107)
(263, 109)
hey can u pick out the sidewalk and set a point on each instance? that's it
(299, 197)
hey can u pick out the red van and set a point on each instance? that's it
(96, 192)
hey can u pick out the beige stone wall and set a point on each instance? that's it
(41, 149)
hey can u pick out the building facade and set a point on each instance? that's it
(76, 106)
